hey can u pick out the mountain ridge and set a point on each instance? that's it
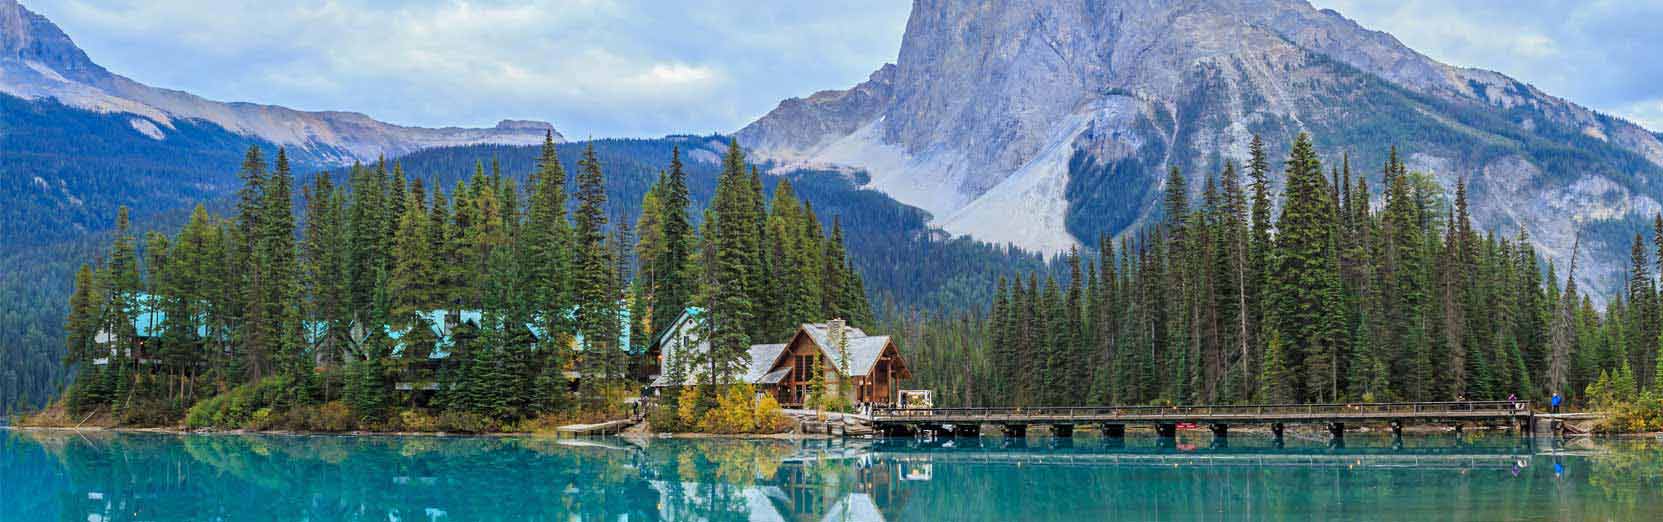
(1004, 119)
(38, 60)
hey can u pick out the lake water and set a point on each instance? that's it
(101, 477)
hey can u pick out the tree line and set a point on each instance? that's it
(1333, 294)
(337, 302)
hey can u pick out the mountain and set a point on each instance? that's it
(77, 141)
(81, 140)
(1043, 123)
(37, 60)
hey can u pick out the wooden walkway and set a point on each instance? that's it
(1114, 418)
(601, 428)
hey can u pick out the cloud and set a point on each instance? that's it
(647, 68)
(591, 67)
(1598, 53)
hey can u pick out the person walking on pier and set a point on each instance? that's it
(1554, 402)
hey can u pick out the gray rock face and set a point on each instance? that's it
(37, 60)
(1042, 122)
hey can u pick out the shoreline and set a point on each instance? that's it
(628, 435)
(548, 435)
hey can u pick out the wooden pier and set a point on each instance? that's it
(602, 428)
(1113, 419)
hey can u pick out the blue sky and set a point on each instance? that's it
(643, 68)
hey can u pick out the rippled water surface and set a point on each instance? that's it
(99, 477)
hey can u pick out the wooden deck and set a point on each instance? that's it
(601, 428)
(1499, 412)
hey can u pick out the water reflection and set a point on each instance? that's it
(111, 477)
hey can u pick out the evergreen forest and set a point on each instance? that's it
(534, 301)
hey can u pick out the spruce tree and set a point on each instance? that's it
(1308, 311)
(596, 303)
(730, 233)
(675, 281)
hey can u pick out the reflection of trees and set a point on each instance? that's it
(156, 477)
(1629, 476)
(65, 476)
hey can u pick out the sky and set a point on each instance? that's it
(606, 68)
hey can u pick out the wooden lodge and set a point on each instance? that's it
(866, 369)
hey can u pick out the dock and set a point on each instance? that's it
(594, 430)
(1113, 419)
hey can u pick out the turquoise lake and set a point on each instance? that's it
(102, 477)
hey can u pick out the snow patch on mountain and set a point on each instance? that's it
(1029, 207)
(146, 128)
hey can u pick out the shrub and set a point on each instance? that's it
(1643, 414)
(738, 410)
(237, 408)
(205, 414)
(665, 418)
(734, 412)
(334, 416)
(466, 422)
(417, 420)
(688, 407)
(262, 419)
(770, 418)
(151, 413)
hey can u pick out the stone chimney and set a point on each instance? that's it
(834, 333)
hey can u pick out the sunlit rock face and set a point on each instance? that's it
(1047, 123)
(37, 60)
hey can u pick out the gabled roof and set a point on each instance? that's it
(762, 357)
(688, 314)
(864, 350)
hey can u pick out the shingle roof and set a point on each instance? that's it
(864, 350)
(762, 358)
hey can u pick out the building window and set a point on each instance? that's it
(804, 370)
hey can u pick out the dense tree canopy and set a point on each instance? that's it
(481, 295)
(1345, 298)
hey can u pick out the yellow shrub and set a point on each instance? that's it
(417, 420)
(734, 412)
(687, 407)
(770, 418)
(261, 419)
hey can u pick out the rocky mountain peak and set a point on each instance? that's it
(27, 36)
(1044, 122)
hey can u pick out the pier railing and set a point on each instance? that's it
(1215, 411)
